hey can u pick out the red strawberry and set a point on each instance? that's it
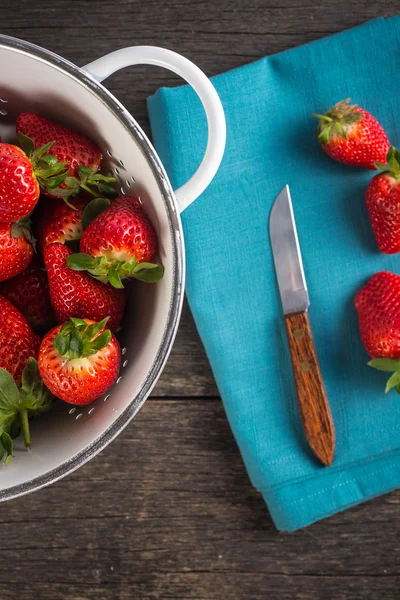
(19, 188)
(17, 340)
(79, 155)
(60, 222)
(120, 242)
(351, 135)
(378, 306)
(29, 292)
(80, 360)
(79, 295)
(69, 146)
(383, 204)
(15, 250)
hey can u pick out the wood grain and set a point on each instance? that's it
(310, 388)
(166, 512)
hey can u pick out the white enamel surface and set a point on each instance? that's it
(105, 66)
(30, 84)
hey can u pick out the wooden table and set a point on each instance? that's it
(167, 511)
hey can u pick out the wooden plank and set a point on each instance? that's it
(215, 586)
(167, 511)
(187, 372)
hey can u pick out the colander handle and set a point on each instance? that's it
(103, 67)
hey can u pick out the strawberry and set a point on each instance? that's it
(351, 135)
(378, 307)
(60, 222)
(16, 250)
(119, 243)
(383, 204)
(29, 292)
(18, 405)
(19, 187)
(17, 340)
(79, 360)
(79, 295)
(79, 156)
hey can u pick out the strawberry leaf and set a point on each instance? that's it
(75, 344)
(95, 329)
(61, 343)
(67, 328)
(35, 396)
(84, 173)
(101, 177)
(100, 342)
(50, 160)
(15, 231)
(148, 272)
(7, 447)
(56, 180)
(29, 374)
(385, 364)
(23, 228)
(393, 163)
(393, 381)
(82, 262)
(26, 144)
(39, 152)
(93, 210)
(114, 277)
(9, 394)
(388, 365)
(79, 324)
(107, 190)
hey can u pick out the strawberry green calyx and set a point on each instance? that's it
(23, 227)
(17, 406)
(52, 173)
(49, 171)
(88, 181)
(114, 271)
(336, 120)
(392, 163)
(77, 339)
(388, 365)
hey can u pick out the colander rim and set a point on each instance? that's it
(178, 276)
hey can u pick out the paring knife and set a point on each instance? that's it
(311, 395)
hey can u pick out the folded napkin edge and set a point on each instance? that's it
(363, 486)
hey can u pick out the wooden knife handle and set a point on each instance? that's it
(311, 395)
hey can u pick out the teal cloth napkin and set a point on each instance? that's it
(231, 282)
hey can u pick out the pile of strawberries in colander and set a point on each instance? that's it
(67, 243)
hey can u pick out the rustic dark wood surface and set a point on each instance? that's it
(167, 511)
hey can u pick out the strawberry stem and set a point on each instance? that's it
(23, 414)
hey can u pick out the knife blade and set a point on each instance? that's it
(311, 394)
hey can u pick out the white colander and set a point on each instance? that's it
(33, 79)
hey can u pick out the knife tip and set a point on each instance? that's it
(325, 451)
